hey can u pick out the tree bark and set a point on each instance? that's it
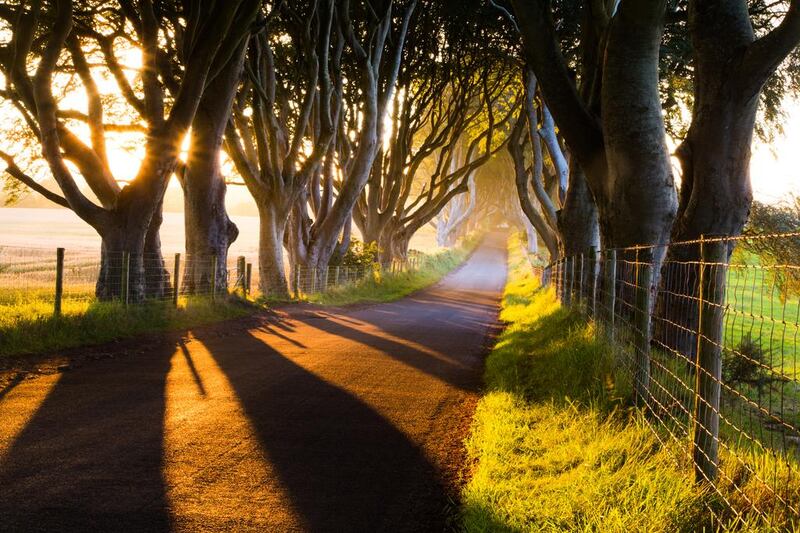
(578, 220)
(209, 230)
(271, 268)
(731, 67)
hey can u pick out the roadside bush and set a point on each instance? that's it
(360, 254)
(746, 363)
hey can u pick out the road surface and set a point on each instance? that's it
(306, 419)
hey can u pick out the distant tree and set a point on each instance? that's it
(775, 219)
(454, 132)
(51, 35)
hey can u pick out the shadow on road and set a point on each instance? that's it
(89, 459)
(344, 466)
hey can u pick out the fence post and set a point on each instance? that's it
(240, 262)
(176, 280)
(248, 276)
(59, 281)
(644, 277)
(297, 281)
(336, 276)
(610, 283)
(214, 277)
(125, 278)
(708, 367)
(571, 272)
(593, 281)
(581, 280)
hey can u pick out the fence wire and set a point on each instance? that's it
(708, 333)
(52, 279)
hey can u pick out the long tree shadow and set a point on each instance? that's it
(344, 466)
(443, 342)
(90, 458)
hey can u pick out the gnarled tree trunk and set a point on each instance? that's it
(209, 230)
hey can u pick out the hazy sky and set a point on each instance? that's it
(775, 169)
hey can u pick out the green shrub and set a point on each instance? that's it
(360, 254)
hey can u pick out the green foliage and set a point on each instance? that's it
(768, 219)
(386, 286)
(746, 363)
(360, 254)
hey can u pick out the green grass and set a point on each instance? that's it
(757, 309)
(27, 324)
(556, 446)
(385, 286)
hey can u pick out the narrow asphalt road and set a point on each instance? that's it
(307, 419)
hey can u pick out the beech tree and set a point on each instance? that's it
(731, 67)
(375, 46)
(127, 218)
(276, 116)
(611, 121)
(451, 220)
(534, 128)
(454, 128)
(291, 97)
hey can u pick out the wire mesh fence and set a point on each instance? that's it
(708, 333)
(53, 279)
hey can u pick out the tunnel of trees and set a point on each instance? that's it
(385, 116)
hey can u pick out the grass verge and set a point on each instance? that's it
(27, 324)
(554, 443)
(385, 286)
(30, 327)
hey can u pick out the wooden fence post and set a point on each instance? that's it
(125, 277)
(248, 276)
(571, 291)
(213, 277)
(610, 284)
(59, 281)
(593, 281)
(336, 276)
(708, 367)
(176, 279)
(297, 281)
(644, 277)
(581, 280)
(240, 273)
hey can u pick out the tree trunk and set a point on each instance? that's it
(157, 279)
(731, 66)
(209, 230)
(639, 198)
(145, 273)
(577, 220)
(271, 268)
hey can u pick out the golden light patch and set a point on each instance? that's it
(19, 405)
(215, 470)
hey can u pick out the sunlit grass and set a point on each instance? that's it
(27, 324)
(387, 286)
(557, 447)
